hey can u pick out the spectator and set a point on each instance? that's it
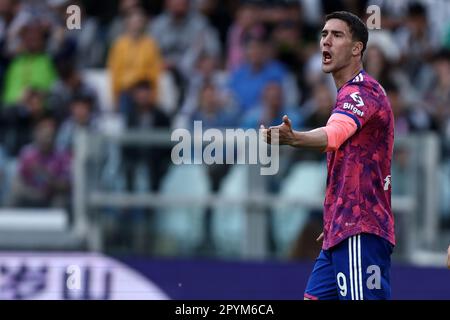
(408, 118)
(145, 115)
(81, 117)
(69, 85)
(85, 47)
(438, 97)
(183, 35)
(43, 178)
(315, 113)
(401, 171)
(393, 12)
(317, 109)
(19, 120)
(206, 71)
(219, 15)
(416, 43)
(247, 82)
(31, 68)
(290, 49)
(276, 13)
(213, 110)
(215, 113)
(133, 57)
(8, 14)
(377, 64)
(12, 17)
(246, 25)
(118, 23)
(271, 109)
(381, 61)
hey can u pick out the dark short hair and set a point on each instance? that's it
(441, 55)
(258, 39)
(47, 117)
(357, 27)
(390, 86)
(416, 9)
(143, 84)
(86, 99)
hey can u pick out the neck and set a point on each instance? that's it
(256, 67)
(178, 18)
(135, 35)
(345, 74)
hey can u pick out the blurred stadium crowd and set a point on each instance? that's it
(165, 63)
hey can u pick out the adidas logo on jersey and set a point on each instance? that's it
(358, 78)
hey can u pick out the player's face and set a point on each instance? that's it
(336, 45)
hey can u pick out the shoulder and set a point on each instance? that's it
(276, 67)
(151, 42)
(161, 117)
(364, 87)
(121, 41)
(160, 21)
(240, 71)
(28, 152)
(68, 124)
(350, 91)
(197, 20)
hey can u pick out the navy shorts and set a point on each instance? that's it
(358, 268)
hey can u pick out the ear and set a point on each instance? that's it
(357, 48)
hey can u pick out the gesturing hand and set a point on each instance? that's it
(284, 130)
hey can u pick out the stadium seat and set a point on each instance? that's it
(99, 80)
(5, 173)
(168, 94)
(180, 229)
(228, 222)
(444, 186)
(306, 180)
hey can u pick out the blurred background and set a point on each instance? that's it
(86, 117)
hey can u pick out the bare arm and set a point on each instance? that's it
(314, 139)
(328, 138)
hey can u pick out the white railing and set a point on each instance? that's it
(413, 210)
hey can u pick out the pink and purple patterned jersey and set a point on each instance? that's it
(358, 194)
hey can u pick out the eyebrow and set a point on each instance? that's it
(335, 32)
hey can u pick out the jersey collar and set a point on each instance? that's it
(358, 78)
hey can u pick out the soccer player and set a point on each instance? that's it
(358, 232)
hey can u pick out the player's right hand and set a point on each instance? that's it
(284, 131)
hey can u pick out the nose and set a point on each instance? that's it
(326, 41)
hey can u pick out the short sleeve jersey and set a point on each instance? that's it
(358, 193)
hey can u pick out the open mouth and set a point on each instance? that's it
(326, 57)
